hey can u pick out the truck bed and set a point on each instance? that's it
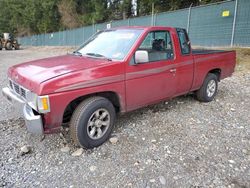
(206, 51)
(206, 59)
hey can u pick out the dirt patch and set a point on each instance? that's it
(243, 59)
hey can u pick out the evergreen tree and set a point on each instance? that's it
(28, 17)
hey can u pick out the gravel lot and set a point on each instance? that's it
(179, 143)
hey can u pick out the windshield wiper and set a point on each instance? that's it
(98, 56)
(77, 53)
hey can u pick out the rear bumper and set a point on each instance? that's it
(33, 122)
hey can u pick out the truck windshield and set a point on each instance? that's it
(110, 44)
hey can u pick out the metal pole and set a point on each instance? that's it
(93, 26)
(74, 35)
(234, 22)
(155, 18)
(63, 36)
(83, 35)
(189, 15)
(152, 19)
(59, 42)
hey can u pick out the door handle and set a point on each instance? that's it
(172, 70)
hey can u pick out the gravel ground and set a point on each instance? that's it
(179, 143)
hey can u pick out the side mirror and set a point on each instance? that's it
(141, 56)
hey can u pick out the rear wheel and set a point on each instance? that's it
(92, 122)
(208, 89)
(1, 45)
(16, 46)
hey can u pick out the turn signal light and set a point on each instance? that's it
(43, 104)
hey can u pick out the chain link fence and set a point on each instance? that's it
(220, 24)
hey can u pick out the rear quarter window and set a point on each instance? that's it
(184, 41)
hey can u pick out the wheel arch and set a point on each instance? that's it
(110, 95)
(217, 72)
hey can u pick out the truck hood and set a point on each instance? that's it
(33, 73)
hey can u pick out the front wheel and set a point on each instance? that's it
(8, 46)
(208, 89)
(92, 122)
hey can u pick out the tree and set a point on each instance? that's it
(39, 17)
(69, 16)
(50, 17)
(28, 17)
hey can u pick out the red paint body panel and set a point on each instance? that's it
(59, 102)
(66, 78)
(225, 61)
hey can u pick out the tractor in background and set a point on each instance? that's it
(8, 42)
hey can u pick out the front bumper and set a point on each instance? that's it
(33, 122)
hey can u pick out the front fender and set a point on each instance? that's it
(59, 101)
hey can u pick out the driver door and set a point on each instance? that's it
(152, 81)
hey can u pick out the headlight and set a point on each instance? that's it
(32, 100)
(43, 104)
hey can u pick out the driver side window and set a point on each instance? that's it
(158, 44)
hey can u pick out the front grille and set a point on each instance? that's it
(10, 83)
(23, 92)
(18, 89)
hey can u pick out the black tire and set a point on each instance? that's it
(204, 94)
(80, 129)
(8, 46)
(16, 46)
(1, 45)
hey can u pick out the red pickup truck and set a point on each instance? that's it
(115, 71)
